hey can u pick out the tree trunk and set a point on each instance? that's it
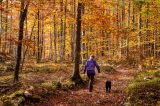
(123, 35)
(51, 46)
(65, 33)
(61, 31)
(55, 35)
(6, 28)
(147, 33)
(1, 26)
(23, 14)
(117, 26)
(129, 6)
(133, 17)
(140, 32)
(76, 76)
(73, 32)
(38, 39)
(42, 39)
(11, 31)
(72, 42)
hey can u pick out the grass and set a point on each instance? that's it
(108, 69)
(144, 92)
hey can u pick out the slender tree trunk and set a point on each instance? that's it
(44, 49)
(123, 14)
(55, 39)
(123, 35)
(117, 26)
(129, 6)
(65, 33)
(83, 44)
(133, 17)
(147, 33)
(156, 37)
(42, 39)
(34, 49)
(6, 28)
(61, 32)
(38, 39)
(1, 26)
(154, 45)
(73, 32)
(23, 14)
(11, 30)
(76, 76)
(51, 46)
(55, 35)
(72, 42)
(25, 36)
(140, 32)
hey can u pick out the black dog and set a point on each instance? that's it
(108, 86)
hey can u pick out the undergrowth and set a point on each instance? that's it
(145, 89)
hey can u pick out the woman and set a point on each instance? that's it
(90, 68)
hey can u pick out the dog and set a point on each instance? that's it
(108, 86)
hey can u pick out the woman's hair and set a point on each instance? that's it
(92, 56)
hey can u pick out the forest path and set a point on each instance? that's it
(98, 97)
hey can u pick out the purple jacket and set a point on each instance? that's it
(90, 66)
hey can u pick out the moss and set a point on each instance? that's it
(144, 92)
(7, 101)
(57, 84)
(4, 79)
(13, 99)
(44, 94)
(68, 84)
(20, 100)
(46, 84)
(155, 82)
(17, 94)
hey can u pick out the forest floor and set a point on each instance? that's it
(82, 97)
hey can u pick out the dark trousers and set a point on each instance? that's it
(91, 79)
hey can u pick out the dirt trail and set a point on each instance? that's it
(98, 97)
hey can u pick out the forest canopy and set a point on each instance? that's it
(115, 28)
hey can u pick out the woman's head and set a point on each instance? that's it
(92, 56)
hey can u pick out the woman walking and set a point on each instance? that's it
(90, 68)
